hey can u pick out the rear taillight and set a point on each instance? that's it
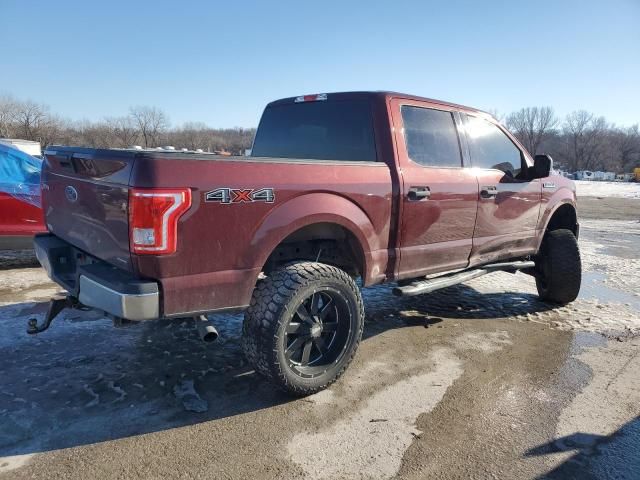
(153, 219)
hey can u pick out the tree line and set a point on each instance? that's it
(145, 126)
(579, 141)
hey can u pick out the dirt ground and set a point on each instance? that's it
(481, 380)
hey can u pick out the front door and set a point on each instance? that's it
(439, 195)
(509, 204)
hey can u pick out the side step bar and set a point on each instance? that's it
(431, 284)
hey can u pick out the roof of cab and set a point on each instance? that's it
(384, 94)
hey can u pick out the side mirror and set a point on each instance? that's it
(542, 165)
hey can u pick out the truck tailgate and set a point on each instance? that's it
(85, 194)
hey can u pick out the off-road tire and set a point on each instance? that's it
(273, 306)
(558, 267)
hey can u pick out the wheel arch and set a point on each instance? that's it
(563, 216)
(325, 242)
(318, 217)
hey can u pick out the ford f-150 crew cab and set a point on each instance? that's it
(376, 186)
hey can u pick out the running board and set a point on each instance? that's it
(431, 284)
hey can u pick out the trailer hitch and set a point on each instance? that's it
(56, 305)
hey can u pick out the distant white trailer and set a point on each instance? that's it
(604, 176)
(585, 175)
(27, 146)
(562, 173)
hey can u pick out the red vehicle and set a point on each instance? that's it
(19, 222)
(20, 216)
(379, 186)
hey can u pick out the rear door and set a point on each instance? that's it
(439, 195)
(509, 204)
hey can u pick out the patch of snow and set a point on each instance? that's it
(601, 425)
(487, 342)
(370, 443)
(607, 189)
(13, 462)
(24, 278)
(323, 397)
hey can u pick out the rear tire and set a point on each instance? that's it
(303, 326)
(558, 267)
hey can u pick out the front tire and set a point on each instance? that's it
(558, 267)
(303, 326)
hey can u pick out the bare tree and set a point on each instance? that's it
(95, 134)
(625, 146)
(585, 139)
(33, 121)
(8, 108)
(531, 125)
(149, 125)
(49, 130)
(191, 135)
(124, 130)
(151, 122)
(495, 113)
(30, 118)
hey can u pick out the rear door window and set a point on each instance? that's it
(431, 137)
(322, 130)
(491, 148)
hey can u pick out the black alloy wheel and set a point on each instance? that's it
(317, 333)
(303, 326)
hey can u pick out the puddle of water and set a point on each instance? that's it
(593, 286)
(617, 455)
(582, 340)
(619, 248)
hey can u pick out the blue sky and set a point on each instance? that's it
(221, 62)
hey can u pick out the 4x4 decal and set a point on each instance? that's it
(240, 195)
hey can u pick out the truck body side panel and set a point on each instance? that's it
(559, 191)
(436, 232)
(223, 246)
(506, 224)
(507, 220)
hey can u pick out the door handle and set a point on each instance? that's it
(488, 191)
(418, 193)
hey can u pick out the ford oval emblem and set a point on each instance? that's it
(71, 193)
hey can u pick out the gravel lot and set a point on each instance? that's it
(481, 380)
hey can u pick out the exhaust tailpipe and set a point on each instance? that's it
(206, 330)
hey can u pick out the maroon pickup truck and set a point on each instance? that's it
(379, 186)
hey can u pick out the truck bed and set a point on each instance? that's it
(222, 247)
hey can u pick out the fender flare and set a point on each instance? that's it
(313, 208)
(549, 213)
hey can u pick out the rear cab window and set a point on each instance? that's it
(321, 130)
(431, 137)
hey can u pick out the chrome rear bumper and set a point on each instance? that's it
(132, 306)
(95, 283)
